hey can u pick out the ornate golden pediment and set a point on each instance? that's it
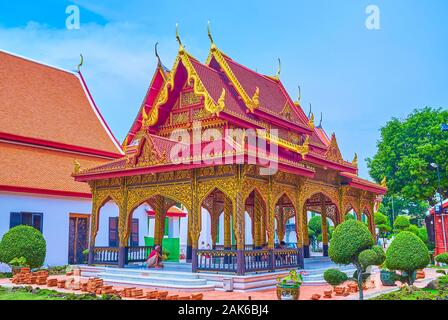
(333, 152)
(146, 154)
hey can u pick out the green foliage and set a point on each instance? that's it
(350, 238)
(315, 224)
(393, 206)
(18, 262)
(381, 218)
(442, 258)
(423, 234)
(364, 278)
(402, 223)
(381, 255)
(23, 241)
(335, 277)
(367, 258)
(405, 150)
(414, 229)
(349, 216)
(407, 253)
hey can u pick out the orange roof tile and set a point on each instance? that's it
(45, 169)
(42, 102)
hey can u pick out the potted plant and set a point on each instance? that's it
(288, 288)
(16, 264)
(85, 254)
(388, 277)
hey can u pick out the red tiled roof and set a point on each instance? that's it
(273, 98)
(45, 103)
(28, 167)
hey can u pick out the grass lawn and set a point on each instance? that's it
(28, 293)
(421, 294)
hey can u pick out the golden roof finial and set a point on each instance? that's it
(125, 144)
(355, 160)
(181, 46)
(81, 62)
(384, 182)
(299, 97)
(76, 167)
(210, 34)
(311, 109)
(279, 70)
(311, 121)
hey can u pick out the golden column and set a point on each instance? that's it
(281, 223)
(227, 227)
(306, 238)
(324, 226)
(258, 215)
(159, 228)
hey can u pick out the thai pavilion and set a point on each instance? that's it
(217, 96)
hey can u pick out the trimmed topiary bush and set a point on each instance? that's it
(335, 277)
(407, 253)
(401, 223)
(380, 218)
(352, 243)
(350, 238)
(442, 258)
(381, 255)
(23, 241)
(413, 228)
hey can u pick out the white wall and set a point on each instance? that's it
(110, 210)
(56, 212)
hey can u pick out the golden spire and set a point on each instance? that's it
(181, 46)
(81, 62)
(384, 182)
(210, 35)
(311, 121)
(76, 167)
(279, 69)
(355, 160)
(125, 144)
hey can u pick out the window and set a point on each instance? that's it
(26, 218)
(134, 235)
(113, 232)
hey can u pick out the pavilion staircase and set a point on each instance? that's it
(178, 276)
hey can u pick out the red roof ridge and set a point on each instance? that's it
(45, 64)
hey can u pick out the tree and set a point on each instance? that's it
(401, 223)
(405, 151)
(23, 241)
(393, 206)
(315, 225)
(352, 243)
(407, 253)
(383, 225)
(349, 216)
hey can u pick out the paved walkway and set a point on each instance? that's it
(305, 292)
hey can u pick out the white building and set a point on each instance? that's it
(47, 121)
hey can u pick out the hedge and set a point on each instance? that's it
(23, 241)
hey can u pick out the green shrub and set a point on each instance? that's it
(372, 257)
(381, 255)
(380, 218)
(442, 258)
(349, 216)
(350, 238)
(23, 241)
(407, 253)
(315, 224)
(401, 223)
(335, 277)
(423, 234)
(413, 228)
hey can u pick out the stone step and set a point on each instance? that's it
(155, 279)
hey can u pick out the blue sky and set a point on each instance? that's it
(358, 78)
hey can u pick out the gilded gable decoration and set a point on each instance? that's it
(146, 155)
(333, 152)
